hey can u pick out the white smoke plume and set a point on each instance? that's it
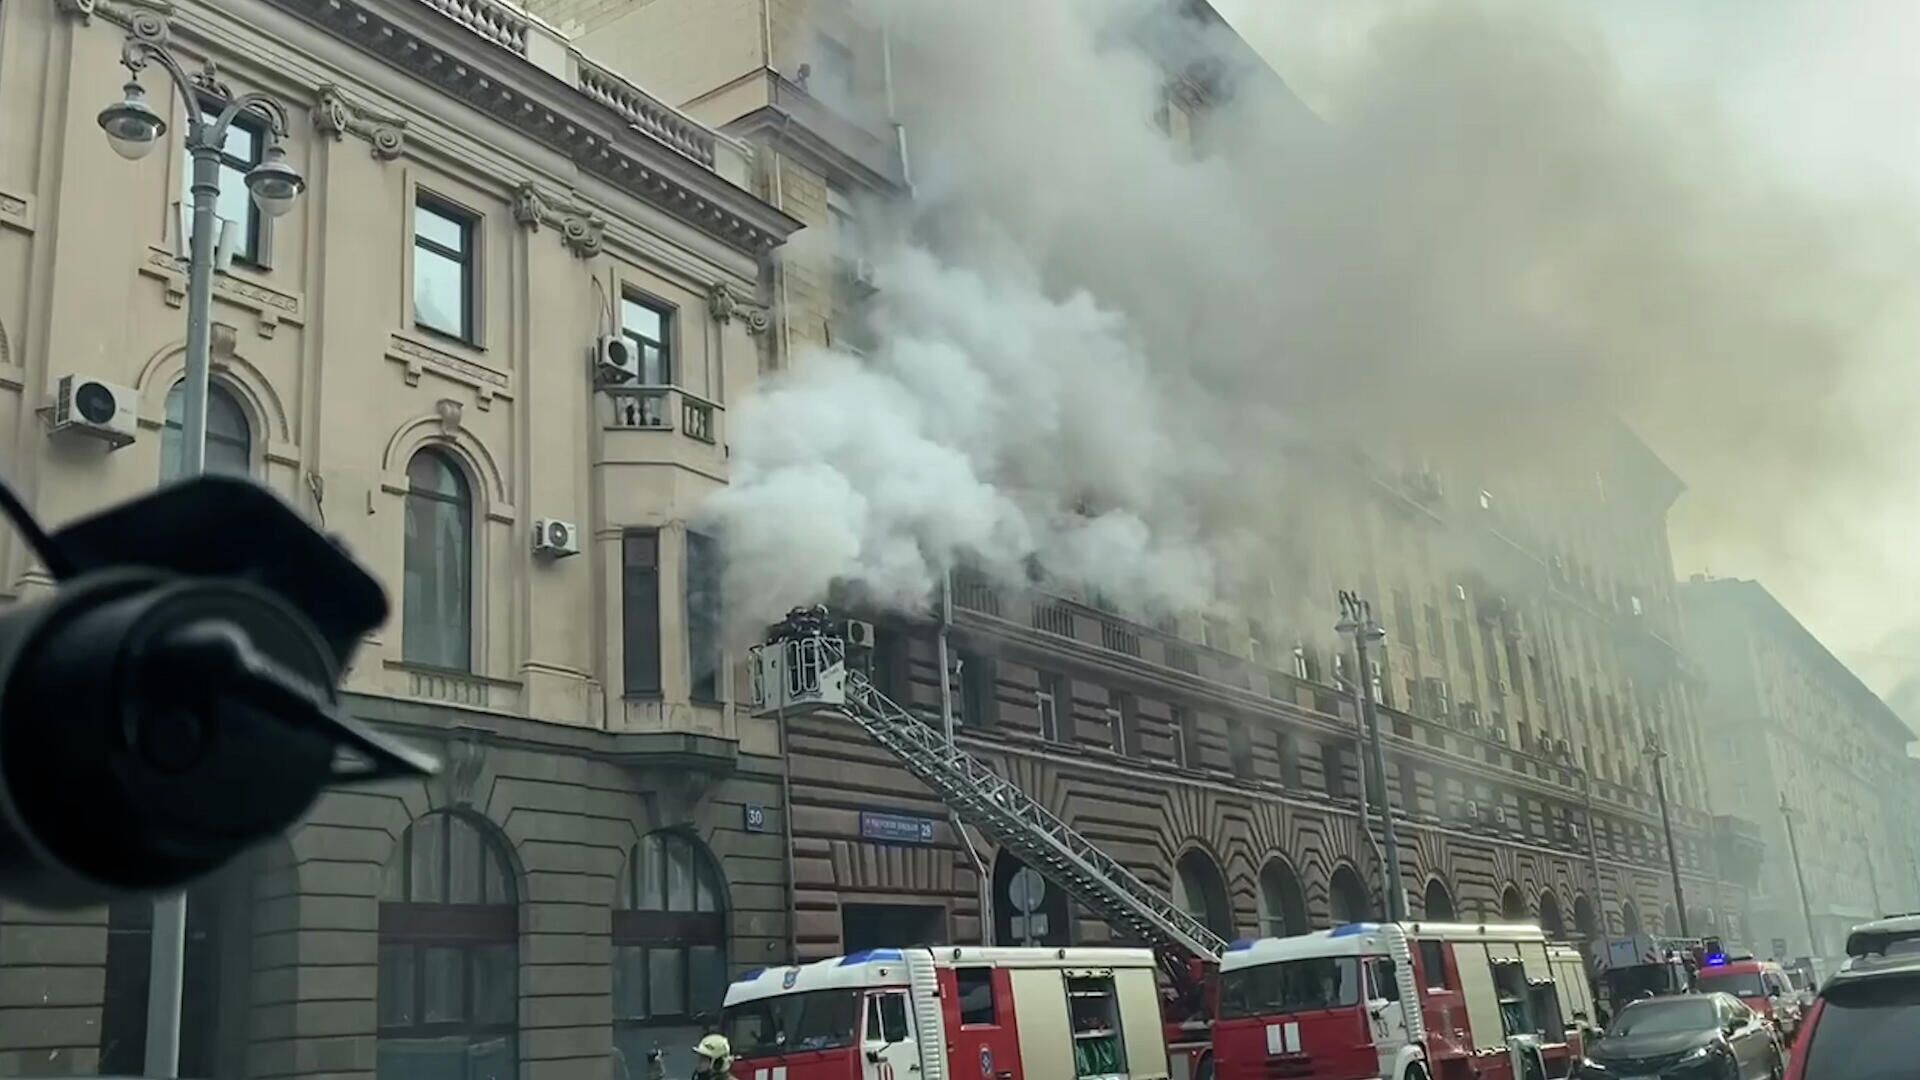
(1486, 246)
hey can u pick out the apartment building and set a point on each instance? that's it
(1534, 643)
(409, 358)
(1792, 732)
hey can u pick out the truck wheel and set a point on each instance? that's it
(1416, 1072)
(1205, 1072)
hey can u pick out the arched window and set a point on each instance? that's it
(1439, 901)
(1629, 919)
(669, 950)
(1513, 904)
(1347, 898)
(229, 438)
(1585, 922)
(449, 999)
(1551, 920)
(1669, 920)
(437, 603)
(1200, 891)
(1283, 907)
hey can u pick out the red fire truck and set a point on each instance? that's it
(959, 1012)
(1414, 1001)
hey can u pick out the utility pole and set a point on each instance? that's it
(1357, 619)
(1657, 754)
(1799, 877)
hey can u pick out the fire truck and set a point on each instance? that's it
(1405, 1001)
(935, 1013)
(804, 668)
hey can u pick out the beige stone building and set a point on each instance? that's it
(1534, 638)
(1786, 724)
(408, 357)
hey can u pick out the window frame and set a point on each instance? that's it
(1046, 699)
(649, 665)
(474, 930)
(667, 927)
(466, 503)
(712, 690)
(255, 249)
(664, 347)
(215, 389)
(468, 259)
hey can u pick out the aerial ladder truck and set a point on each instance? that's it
(803, 669)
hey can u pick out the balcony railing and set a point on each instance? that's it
(662, 408)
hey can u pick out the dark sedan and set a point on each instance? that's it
(1690, 1037)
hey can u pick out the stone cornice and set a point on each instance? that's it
(597, 130)
(334, 114)
(581, 229)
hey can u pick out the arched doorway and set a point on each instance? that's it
(1669, 920)
(1027, 908)
(669, 949)
(1201, 892)
(1513, 904)
(1283, 905)
(1551, 920)
(1439, 902)
(1347, 899)
(1629, 918)
(449, 989)
(1585, 922)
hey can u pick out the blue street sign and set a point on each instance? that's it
(756, 818)
(895, 828)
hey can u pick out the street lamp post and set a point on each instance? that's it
(1357, 619)
(133, 129)
(1655, 755)
(1799, 877)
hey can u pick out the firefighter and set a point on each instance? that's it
(712, 1058)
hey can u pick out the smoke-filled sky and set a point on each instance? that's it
(1513, 222)
(1823, 98)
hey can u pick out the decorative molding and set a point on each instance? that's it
(466, 760)
(16, 211)
(725, 305)
(416, 358)
(271, 306)
(449, 412)
(146, 18)
(498, 81)
(581, 230)
(335, 115)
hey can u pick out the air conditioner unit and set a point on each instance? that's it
(859, 635)
(861, 273)
(615, 361)
(95, 408)
(555, 539)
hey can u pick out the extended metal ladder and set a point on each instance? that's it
(803, 670)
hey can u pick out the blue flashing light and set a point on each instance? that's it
(751, 975)
(1353, 929)
(1241, 946)
(871, 956)
(1717, 960)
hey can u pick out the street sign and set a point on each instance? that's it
(756, 818)
(895, 828)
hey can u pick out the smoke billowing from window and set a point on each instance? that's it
(1484, 247)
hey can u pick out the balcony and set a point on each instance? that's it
(662, 409)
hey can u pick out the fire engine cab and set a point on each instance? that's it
(1412, 1001)
(951, 1012)
(1761, 985)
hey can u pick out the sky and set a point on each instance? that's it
(1827, 97)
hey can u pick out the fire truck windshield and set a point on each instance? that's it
(1744, 984)
(1321, 982)
(792, 1023)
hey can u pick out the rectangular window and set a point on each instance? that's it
(648, 328)
(1240, 746)
(1186, 750)
(246, 138)
(1048, 700)
(1433, 963)
(705, 620)
(640, 611)
(1436, 635)
(979, 704)
(1123, 720)
(1213, 633)
(974, 986)
(443, 262)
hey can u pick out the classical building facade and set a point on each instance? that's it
(1533, 643)
(1793, 733)
(408, 358)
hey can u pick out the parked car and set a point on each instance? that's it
(1687, 1037)
(1865, 1022)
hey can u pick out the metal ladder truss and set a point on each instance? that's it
(996, 806)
